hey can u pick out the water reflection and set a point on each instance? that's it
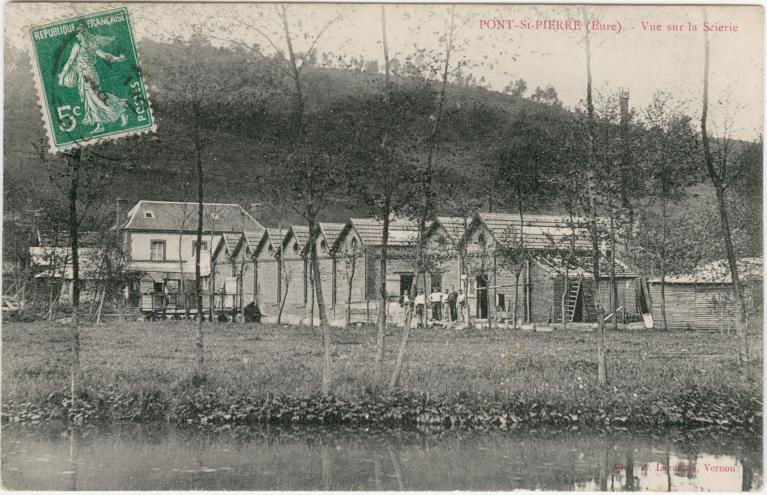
(141, 458)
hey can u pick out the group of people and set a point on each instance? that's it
(446, 305)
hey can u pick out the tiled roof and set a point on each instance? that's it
(252, 238)
(231, 240)
(301, 233)
(539, 231)
(227, 242)
(331, 231)
(718, 272)
(402, 232)
(454, 226)
(273, 236)
(177, 216)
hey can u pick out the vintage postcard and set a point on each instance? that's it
(382, 247)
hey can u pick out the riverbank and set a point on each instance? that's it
(468, 378)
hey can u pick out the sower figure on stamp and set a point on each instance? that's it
(99, 107)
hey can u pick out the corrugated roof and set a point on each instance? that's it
(177, 216)
(539, 231)
(581, 266)
(49, 238)
(55, 261)
(718, 272)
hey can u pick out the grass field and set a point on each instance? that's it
(260, 359)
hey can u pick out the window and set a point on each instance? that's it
(501, 302)
(148, 214)
(203, 246)
(324, 246)
(157, 251)
(295, 247)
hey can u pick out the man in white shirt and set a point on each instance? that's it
(420, 303)
(445, 305)
(436, 304)
(461, 302)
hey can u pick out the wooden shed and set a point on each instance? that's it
(704, 299)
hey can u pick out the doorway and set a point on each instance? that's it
(482, 296)
(405, 283)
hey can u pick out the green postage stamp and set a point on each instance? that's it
(89, 80)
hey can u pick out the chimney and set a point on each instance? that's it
(120, 207)
(623, 96)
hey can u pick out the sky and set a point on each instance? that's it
(635, 58)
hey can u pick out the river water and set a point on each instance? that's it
(134, 457)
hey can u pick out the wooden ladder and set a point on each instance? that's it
(571, 301)
(589, 304)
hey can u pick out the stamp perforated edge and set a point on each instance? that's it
(42, 104)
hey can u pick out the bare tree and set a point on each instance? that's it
(425, 201)
(350, 257)
(285, 276)
(716, 161)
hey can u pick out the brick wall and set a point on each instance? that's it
(268, 273)
(293, 273)
(545, 293)
(349, 246)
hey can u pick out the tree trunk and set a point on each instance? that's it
(664, 324)
(74, 160)
(395, 377)
(327, 335)
(311, 296)
(285, 280)
(101, 304)
(719, 186)
(351, 287)
(50, 301)
(516, 295)
(382, 298)
(197, 276)
(613, 284)
(601, 340)
(664, 233)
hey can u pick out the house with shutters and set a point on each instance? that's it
(159, 239)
